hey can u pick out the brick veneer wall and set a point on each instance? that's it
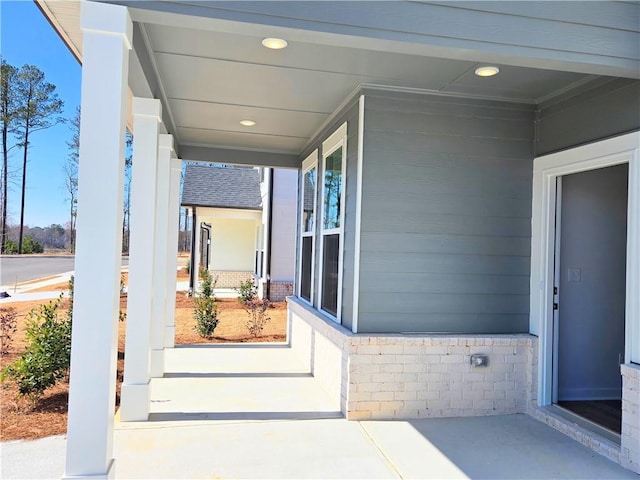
(630, 440)
(280, 289)
(402, 376)
(230, 279)
(431, 376)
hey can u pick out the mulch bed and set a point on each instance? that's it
(20, 419)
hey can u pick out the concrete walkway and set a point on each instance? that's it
(242, 411)
(24, 292)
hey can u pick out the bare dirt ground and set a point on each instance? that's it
(19, 419)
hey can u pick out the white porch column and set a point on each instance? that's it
(172, 252)
(134, 405)
(107, 32)
(161, 287)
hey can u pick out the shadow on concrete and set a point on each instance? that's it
(237, 375)
(227, 416)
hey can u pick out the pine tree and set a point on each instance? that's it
(39, 108)
(8, 114)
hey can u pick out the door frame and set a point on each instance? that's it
(546, 170)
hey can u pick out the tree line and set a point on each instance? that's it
(28, 104)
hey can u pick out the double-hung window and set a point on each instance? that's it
(308, 226)
(332, 222)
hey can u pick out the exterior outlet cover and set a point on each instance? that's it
(574, 275)
(479, 360)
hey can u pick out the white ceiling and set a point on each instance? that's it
(210, 80)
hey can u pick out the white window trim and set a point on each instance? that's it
(308, 164)
(335, 141)
(614, 151)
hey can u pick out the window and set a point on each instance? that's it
(307, 226)
(259, 260)
(334, 159)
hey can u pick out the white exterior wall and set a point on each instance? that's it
(233, 244)
(282, 248)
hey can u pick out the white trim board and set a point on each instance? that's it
(546, 169)
(335, 141)
(309, 163)
(356, 253)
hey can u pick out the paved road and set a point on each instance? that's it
(17, 269)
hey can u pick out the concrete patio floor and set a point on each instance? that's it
(241, 411)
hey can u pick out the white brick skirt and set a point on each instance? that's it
(383, 376)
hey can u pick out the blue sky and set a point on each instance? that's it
(27, 37)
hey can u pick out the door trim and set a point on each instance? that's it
(546, 169)
(556, 283)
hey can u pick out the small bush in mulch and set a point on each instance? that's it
(8, 328)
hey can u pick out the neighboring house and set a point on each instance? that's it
(244, 225)
(443, 213)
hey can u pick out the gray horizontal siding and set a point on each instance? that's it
(445, 244)
(446, 224)
(448, 322)
(608, 110)
(453, 144)
(380, 263)
(446, 218)
(454, 284)
(434, 303)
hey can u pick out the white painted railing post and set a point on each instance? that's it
(172, 252)
(134, 405)
(107, 33)
(161, 288)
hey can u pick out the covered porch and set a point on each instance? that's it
(269, 418)
(415, 242)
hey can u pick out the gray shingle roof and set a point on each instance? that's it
(226, 187)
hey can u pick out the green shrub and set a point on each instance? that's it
(71, 292)
(206, 307)
(48, 353)
(29, 245)
(10, 246)
(247, 291)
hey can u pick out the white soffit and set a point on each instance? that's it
(214, 79)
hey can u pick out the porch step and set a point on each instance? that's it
(238, 382)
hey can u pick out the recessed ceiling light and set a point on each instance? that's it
(487, 71)
(274, 43)
(247, 123)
